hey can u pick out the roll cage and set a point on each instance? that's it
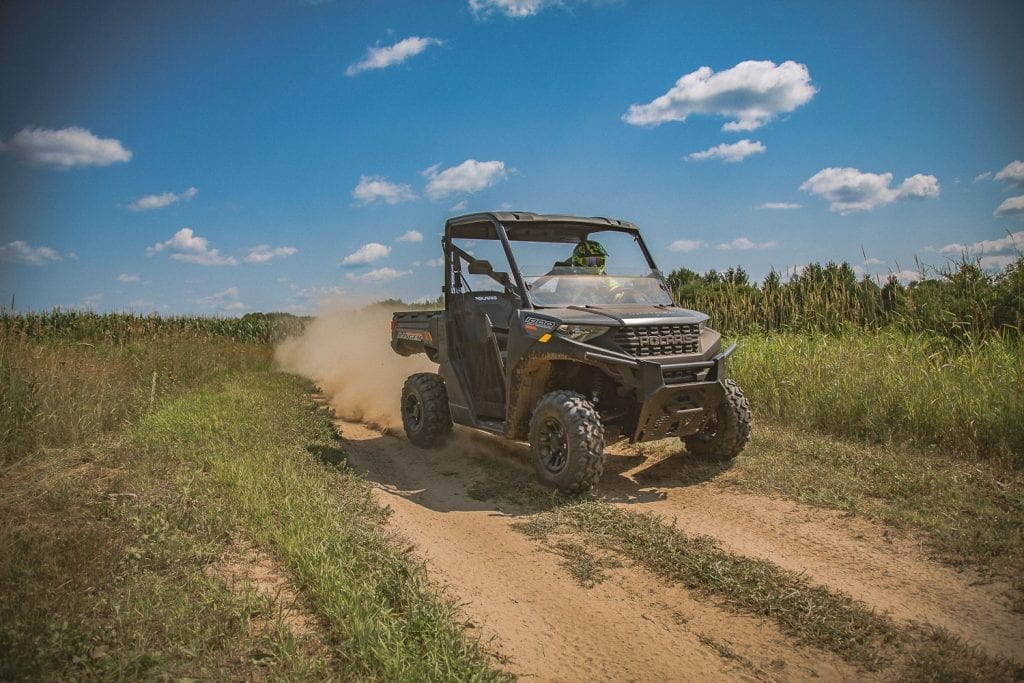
(521, 226)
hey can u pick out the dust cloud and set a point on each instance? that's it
(348, 354)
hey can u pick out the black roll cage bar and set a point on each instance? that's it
(497, 220)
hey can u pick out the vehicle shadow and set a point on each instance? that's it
(477, 472)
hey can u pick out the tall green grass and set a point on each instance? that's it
(67, 378)
(966, 398)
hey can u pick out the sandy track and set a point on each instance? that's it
(536, 620)
(887, 570)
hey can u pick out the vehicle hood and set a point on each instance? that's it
(627, 314)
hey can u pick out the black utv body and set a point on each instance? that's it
(566, 353)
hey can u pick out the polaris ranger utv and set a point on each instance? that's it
(561, 331)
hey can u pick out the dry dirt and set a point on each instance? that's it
(539, 623)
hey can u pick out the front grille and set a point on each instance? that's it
(659, 340)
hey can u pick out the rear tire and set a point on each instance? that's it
(425, 413)
(726, 433)
(567, 442)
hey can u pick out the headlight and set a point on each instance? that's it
(581, 333)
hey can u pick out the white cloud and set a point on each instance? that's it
(157, 201)
(516, 9)
(140, 303)
(226, 300)
(779, 206)
(909, 275)
(186, 246)
(997, 262)
(459, 206)
(379, 275)
(91, 300)
(372, 188)
(873, 261)
(1012, 242)
(20, 251)
(744, 244)
(469, 176)
(1013, 206)
(65, 148)
(982, 176)
(389, 55)
(848, 189)
(368, 253)
(434, 262)
(128, 277)
(752, 93)
(1012, 173)
(737, 151)
(685, 245)
(410, 236)
(263, 253)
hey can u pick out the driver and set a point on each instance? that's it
(591, 255)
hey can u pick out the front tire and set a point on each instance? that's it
(726, 433)
(567, 442)
(425, 413)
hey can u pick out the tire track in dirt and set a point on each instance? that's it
(887, 570)
(529, 612)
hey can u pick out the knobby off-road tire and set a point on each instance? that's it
(425, 414)
(727, 432)
(567, 441)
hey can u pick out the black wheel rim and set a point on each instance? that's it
(554, 446)
(413, 410)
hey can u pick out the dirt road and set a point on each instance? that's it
(540, 623)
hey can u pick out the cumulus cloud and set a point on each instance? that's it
(389, 55)
(1012, 173)
(515, 9)
(778, 206)
(226, 300)
(685, 245)
(848, 189)
(128, 277)
(982, 176)
(909, 275)
(65, 148)
(737, 151)
(368, 253)
(372, 188)
(410, 236)
(189, 247)
(157, 201)
(263, 253)
(469, 176)
(745, 244)
(751, 93)
(1012, 242)
(873, 261)
(20, 251)
(1012, 206)
(379, 275)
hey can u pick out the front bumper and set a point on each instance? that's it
(678, 408)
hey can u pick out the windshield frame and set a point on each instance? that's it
(509, 228)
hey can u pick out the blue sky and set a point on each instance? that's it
(225, 157)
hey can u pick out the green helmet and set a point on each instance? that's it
(589, 254)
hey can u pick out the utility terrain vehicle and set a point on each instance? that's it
(561, 331)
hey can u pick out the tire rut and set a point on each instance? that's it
(528, 611)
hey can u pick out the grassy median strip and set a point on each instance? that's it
(812, 614)
(260, 446)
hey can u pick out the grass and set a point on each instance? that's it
(810, 613)
(889, 386)
(131, 467)
(320, 523)
(972, 512)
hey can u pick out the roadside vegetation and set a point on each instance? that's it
(139, 456)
